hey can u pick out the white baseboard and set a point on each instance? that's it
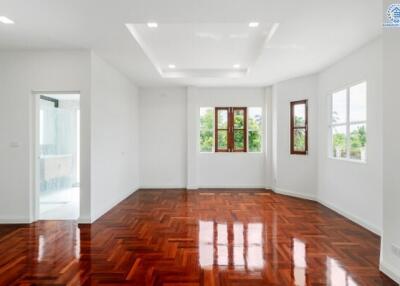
(15, 220)
(192, 187)
(293, 194)
(347, 215)
(84, 220)
(351, 217)
(390, 271)
(232, 187)
(163, 187)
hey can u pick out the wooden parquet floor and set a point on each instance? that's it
(188, 238)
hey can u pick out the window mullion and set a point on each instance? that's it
(214, 146)
(230, 127)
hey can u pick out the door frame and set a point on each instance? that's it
(35, 151)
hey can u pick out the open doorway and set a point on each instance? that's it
(58, 172)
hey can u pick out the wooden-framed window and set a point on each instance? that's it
(299, 127)
(230, 129)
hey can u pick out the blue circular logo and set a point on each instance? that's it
(393, 13)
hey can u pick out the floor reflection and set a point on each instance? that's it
(238, 245)
(246, 249)
(222, 244)
(205, 239)
(206, 243)
(243, 247)
(299, 262)
(337, 275)
(58, 241)
(40, 248)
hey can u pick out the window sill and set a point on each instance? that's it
(235, 153)
(300, 154)
(348, 160)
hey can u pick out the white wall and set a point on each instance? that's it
(114, 137)
(353, 189)
(109, 148)
(390, 263)
(162, 137)
(169, 140)
(294, 174)
(223, 170)
(21, 73)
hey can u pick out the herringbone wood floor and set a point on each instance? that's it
(177, 237)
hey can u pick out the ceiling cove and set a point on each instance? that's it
(203, 50)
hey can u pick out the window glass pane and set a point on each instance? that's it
(254, 126)
(339, 142)
(206, 129)
(238, 119)
(358, 141)
(223, 119)
(358, 102)
(299, 138)
(238, 139)
(339, 107)
(254, 141)
(206, 118)
(299, 115)
(206, 140)
(222, 139)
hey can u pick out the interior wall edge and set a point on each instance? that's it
(106, 209)
(376, 230)
(84, 220)
(390, 271)
(15, 220)
(373, 228)
(293, 194)
(141, 187)
(236, 186)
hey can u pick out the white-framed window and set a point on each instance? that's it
(348, 123)
(206, 129)
(239, 129)
(254, 129)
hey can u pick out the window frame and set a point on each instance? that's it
(348, 123)
(230, 130)
(216, 129)
(293, 127)
(244, 129)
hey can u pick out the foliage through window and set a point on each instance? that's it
(254, 128)
(299, 127)
(206, 129)
(230, 129)
(349, 123)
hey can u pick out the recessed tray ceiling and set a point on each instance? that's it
(215, 50)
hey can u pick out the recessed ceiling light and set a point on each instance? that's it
(253, 24)
(172, 66)
(152, 25)
(6, 20)
(236, 66)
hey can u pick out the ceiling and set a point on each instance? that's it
(213, 50)
(209, 42)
